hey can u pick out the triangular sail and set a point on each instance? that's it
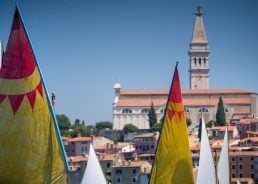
(206, 169)
(173, 163)
(31, 149)
(223, 165)
(93, 173)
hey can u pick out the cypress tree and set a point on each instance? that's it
(152, 116)
(220, 115)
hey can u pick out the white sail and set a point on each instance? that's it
(223, 165)
(206, 169)
(93, 172)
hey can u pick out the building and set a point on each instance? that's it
(218, 132)
(80, 145)
(131, 172)
(131, 106)
(248, 127)
(146, 143)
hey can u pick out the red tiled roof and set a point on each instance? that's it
(248, 120)
(79, 139)
(77, 158)
(186, 91)
(223, 128)
(145, 135)
(144, 98)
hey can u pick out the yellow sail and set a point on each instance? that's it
(30, 150)
(173, 164)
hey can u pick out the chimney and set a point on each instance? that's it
(91, 140)
(53, 98)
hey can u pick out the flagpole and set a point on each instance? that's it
(229, 165)
(163, 119)
(47, 96)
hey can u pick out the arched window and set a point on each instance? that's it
(200, 61)
(195, 61)
(126, 111)
(204, 61)
(145, 111)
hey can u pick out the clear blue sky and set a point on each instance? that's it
(85, 46)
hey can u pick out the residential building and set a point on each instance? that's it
(218, 132)
(130, 172)
(146, 143)
(247, 127)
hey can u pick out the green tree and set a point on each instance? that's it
(80, 129)
(220, 115)
(63, 122)
(77, 121)
(130, 128)
(156, 127)
(104, 125)
(188, 121)
(152, 116)
(210, 124)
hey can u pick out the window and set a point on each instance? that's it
(240, 175)
(118, 171)
(145, 111)
(240, 158)
(233, 167)
(108, 165)
(252, 166)
(200, 61)
(152, 146)
(134, 180)
(204, 61)
(194, 61)
(118, 180)
(252, 175)
(240, 166)
(252, 158)
(233, 175)
(84, 142)
(126, 111)
(134, 171)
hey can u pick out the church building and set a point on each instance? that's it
(132, 106)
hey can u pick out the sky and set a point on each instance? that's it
(85, 46)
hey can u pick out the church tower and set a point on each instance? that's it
(199, 54)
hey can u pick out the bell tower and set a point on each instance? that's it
(199, 54)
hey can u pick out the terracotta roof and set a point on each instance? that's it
(135, 98)
(249, 138)
(145, 135)
(77, 158)
(223, 128)
(79, 139)
(130, 164)
(248, 120)
(186, 91)
(107, 157)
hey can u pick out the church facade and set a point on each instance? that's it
(131, 106)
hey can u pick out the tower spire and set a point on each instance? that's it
(199, 53)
